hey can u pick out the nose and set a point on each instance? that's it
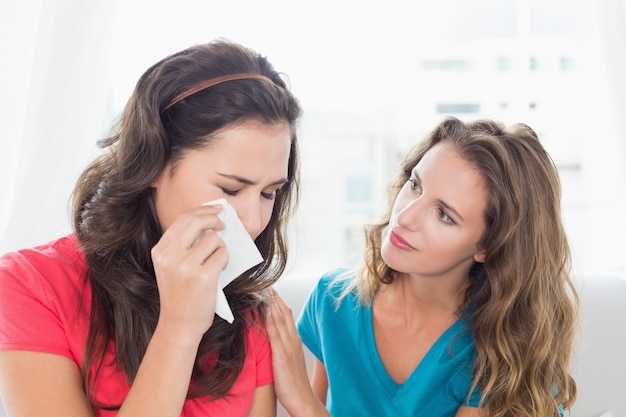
(249, 213)
(409, 213)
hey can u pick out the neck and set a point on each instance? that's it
(427, 297)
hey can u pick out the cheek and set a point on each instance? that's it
(385, 249)
(442, 236)
(167, 210)
(163, 207)
(455, 247)
(267, 208)
(173, 198)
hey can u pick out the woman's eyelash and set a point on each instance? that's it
(230, 192)
(414, 184)
(443, 216)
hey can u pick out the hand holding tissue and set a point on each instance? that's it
(242, 251)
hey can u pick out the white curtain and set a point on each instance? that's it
(54, 106)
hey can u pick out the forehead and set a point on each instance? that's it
(451, 178)
(252, 149)
(445, 157)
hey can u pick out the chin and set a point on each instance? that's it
(391, 259)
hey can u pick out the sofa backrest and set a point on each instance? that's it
(600, 362)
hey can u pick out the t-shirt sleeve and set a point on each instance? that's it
(263, 354)
(462, 391)
(307, 323)
(320, 303)
(29, 309)
(460, 384)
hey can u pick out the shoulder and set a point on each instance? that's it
(332, 292)
(335, 281)
(64, 253)
(329, 313)
(44, 298)
(44, 270)
(258, 360)
(255, 329)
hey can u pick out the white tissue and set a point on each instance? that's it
(242, 252)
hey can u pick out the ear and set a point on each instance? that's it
(480, 257)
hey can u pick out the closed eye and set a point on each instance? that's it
(269, 196)
(230, 192)
(271, 192)
(233, 193)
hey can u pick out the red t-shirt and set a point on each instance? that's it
(44, 307)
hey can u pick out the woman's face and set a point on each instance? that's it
(245, 163)
(437, 219)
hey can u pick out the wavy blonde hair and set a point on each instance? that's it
(524, 306)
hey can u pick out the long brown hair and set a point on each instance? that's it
(115, 220)
(524, 307)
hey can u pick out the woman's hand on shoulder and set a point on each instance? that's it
(41, 384)
(188, 260)
(291, 381)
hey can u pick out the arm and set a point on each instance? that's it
(319, 380)
(27, 389)
(35, 384)
(264, 402)
(187, 271)
(290, 374)
(470, 412)
(162, 382)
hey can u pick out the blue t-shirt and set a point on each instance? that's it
(342, 338)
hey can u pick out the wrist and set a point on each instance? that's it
(310, 406)
(177, 335)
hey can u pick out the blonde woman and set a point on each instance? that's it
(463, 305)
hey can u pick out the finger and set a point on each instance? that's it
(274, 307)
(216, 262)
(272, 329)
(203, 250)
(279, 301)
(188, 228)
(283, 317)
(275, 322)
(286, 313)
(273, 311)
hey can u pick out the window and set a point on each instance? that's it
(446, 65)
(503, 63)
(566, 63)
(458, 108)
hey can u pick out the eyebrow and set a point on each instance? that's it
(246, 181)
(440, 201)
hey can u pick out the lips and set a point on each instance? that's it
(397, 241)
